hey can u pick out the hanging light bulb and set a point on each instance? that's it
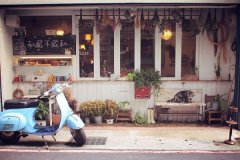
(82, 47)
(166, 34)
(60, 32)
(92, 42)
(88, 37)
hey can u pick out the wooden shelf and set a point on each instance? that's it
(42, 61)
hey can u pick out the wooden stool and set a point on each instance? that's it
(124, 115)
(214, 116)
(231, 123)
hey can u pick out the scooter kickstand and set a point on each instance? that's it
(47, 147)
(54, 138)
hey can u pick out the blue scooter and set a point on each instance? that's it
(18, 119)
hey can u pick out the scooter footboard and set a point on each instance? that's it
(12, 122)
(74, 122)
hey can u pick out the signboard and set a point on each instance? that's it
(44, 45)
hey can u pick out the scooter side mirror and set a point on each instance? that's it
(46, 93)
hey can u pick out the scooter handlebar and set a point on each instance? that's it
(56, 88)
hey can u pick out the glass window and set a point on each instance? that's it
(168, 55)
(107, 51)
(86, 53)
(147, 49)
(188, 51)
(46, 25)
(127, 48)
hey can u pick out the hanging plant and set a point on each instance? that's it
(177, 17)
(142, 21)
(210, 25)
(137, 23)
(200, 19)
(80, 22)
(215, 32)
(119, 21)
(105, 21)
(148, 27)
(155, 20)
(165, 24)
(190, 25)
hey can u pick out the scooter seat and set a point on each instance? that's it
(20, 103)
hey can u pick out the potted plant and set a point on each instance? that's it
(97, 110)
(109, 116)
(85, 112)
(110, 113)
(221, 102)
(144, 80)
(124, 105)
(41, 113)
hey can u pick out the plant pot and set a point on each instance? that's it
(142, 92)
(109, 121)
(87, 120)
(214, 106)
(56, 119)
(98, 119)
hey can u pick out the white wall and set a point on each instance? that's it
(6, 58)
(124, 91)
(207, 59)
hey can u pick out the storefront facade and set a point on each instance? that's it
(113, 39)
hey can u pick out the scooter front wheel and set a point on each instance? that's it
(79, 136)
(9, 137)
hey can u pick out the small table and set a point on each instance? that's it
(214, 116)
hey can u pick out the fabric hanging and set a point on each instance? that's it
(237, 70)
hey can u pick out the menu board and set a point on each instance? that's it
(44, 45)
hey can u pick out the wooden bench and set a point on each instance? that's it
(184, 112)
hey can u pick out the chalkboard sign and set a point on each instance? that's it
(44, 45)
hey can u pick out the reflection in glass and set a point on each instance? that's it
(106, 51)
(147, 49)
(188, 52)
(86, 56)
(46, 25)
(127, 48)
(168, 57)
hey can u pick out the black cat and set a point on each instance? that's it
(183, 97)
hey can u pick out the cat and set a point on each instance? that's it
(183, 97)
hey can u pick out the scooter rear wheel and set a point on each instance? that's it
(79, 136)
(9, 137)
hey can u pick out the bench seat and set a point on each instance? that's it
(185, 112)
